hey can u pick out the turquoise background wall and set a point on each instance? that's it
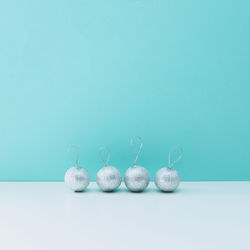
(97, 72)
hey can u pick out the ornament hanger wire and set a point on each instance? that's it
(101, 150)
(132, 147)
(76, 158)
(175, 150)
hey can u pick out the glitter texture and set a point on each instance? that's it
(136, 178)
(108, 178)
(167, 179)
(77, 178)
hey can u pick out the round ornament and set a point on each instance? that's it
(108, 177)
(77, 178)
(136, 177)
(166, 178)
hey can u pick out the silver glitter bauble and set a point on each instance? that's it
(167, 179)
(108, 178)
(77, 178)
(136, 178)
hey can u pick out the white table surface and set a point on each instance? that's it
(200, 215)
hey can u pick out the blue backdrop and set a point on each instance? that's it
(94, 72)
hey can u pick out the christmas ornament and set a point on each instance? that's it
(167, 179)
(76, 178)
(108, 178)
(136, 177)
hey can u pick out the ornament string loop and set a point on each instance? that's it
(76, 157)
(138, 138)
(101, 150)
(175, 154)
